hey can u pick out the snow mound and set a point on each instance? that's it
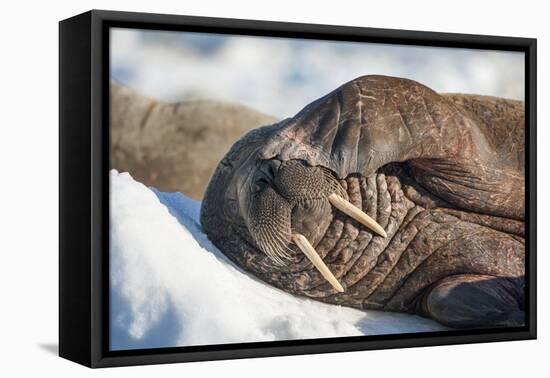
(169, 286)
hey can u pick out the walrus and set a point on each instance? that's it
(385, 195)
(174, 146)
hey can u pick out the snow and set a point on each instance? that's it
(171, 287)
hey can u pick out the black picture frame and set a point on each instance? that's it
(84, 187)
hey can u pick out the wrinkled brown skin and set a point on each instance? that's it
(443, 174)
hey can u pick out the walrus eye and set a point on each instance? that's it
(259, 184)
(232, 208)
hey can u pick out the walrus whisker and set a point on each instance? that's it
(333, 183)
(279, 248)
(275, 255)
(285, 252)
(310, 252)
(267, 245)
(356, 213)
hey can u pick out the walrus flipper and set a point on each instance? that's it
(474, 300)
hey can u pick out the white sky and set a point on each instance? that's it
(280, 76)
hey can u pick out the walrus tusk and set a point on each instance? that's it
(356, 213)
(310, 252)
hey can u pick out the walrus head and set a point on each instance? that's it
(314, 203)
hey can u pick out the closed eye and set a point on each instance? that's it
(232, 208)
(260, 184)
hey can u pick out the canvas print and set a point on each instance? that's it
(267, 189)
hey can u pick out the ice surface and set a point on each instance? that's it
(171, 287)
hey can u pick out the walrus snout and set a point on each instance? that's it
(292, 203)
